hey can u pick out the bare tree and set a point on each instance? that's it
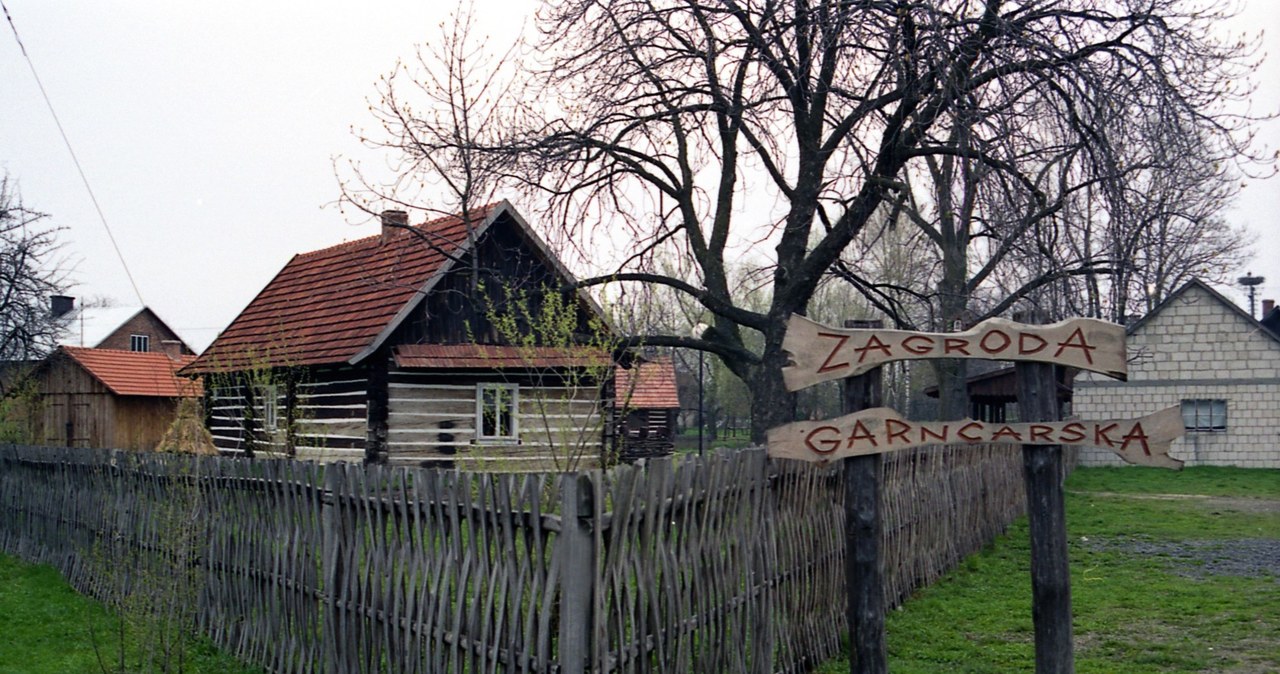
(718, 128)
(31, 270)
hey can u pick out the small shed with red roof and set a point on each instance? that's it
(109, 398)
(384, 350)
(647, 393)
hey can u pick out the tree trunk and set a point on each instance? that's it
(953, 394)
(771, 404)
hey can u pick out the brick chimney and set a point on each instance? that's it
(1267, 306)
(61, 305)
(391, 221)
(171, 348)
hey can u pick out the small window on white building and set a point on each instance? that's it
(139, 342)
(268, 402)
(1204, 416)
(496, 411)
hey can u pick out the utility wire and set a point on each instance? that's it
(74, 159)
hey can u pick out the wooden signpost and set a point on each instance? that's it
(821, 353)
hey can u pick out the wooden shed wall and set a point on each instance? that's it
(140, 422)
(73, 401)
(77, 409)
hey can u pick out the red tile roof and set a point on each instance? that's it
(486, 357)
(329, 305)
(136, 373)
(650, 385)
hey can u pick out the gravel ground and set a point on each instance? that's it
(1250, 557)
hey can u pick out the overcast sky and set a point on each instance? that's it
(208, 133)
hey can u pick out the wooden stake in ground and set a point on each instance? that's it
(864, 566)
(1043, 473)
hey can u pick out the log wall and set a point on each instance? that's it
(322, 415)
(433, 422)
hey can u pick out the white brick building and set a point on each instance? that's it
(1202, 352)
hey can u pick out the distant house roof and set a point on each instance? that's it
(88, 327)
(136, 373)
(1197, 283)
(648, 385)
(484, 356)
(91, 326)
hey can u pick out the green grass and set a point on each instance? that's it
(1135, 609)
(688, 441)
(45, 627)
(1206, 480)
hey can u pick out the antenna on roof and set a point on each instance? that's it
(1251, 283)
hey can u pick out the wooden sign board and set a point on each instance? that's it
(1143, 441)
(820, 353)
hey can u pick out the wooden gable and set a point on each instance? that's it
(506, 262)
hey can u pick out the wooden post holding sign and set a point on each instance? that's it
(820, 353)
(863, 563)
(1043, 473)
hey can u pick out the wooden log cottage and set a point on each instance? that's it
(385, 349)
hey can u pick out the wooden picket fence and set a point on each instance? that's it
(728, 564)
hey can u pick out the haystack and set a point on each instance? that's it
(187, 434)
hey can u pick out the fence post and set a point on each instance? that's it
(864, 563)
(331, 536)
(1043, 472)
(576, 545)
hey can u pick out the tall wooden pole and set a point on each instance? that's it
(864, 566)
(1044, 472)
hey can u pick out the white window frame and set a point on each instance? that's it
(270, 400)
(512, 392)
(140, 340)
(1204, 415)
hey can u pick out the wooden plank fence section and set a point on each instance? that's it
(729, 564)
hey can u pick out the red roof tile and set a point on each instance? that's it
(136, 373)
(327, 306)
(650, 385)
(486, 357)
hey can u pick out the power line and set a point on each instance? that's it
(74, 159)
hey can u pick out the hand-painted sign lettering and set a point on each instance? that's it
(1143, 441)
(821, 353)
